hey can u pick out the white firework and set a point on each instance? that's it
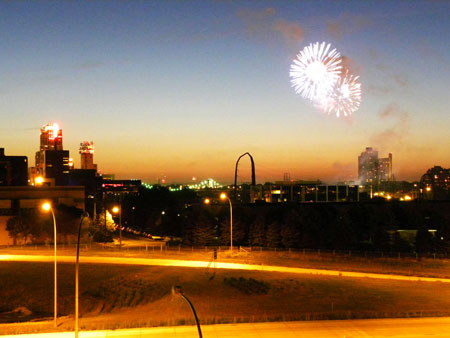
(345, 98)
(315, 71)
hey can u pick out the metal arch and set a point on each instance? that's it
(236, 168)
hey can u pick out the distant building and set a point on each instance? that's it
(13, 170)
(309, 191)
(92, 184)
(120, 186)
(87, 155)
(385, 168)
(57, 166)
(373, 170)
(52, 161)
(109, 176)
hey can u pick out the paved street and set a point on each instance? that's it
(370, 328)
(219, 265)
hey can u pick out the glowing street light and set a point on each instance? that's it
(224, 196)
(48, 207)
(207, 201)
(118, 210)
(38, 180)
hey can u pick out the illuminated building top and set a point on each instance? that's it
(87, 155)
(51, 137)
(87, 147)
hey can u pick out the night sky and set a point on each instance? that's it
(182, 88)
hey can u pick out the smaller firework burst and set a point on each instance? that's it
(344, 99)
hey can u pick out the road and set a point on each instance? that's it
(219, 265)
(368, 328)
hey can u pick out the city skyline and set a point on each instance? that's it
(371, 168)
(182, 90)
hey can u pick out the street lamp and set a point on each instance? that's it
(118, 210)
(38, 180)
(48, 207)
(224, 196)
(177, 290)
(85, 214)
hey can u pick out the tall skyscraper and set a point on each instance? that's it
(87, 155)
(368, 166)
(373, 170)
(52, 162)
(51, 137)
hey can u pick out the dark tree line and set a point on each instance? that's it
(35, 226)
(182, 216)
(355, 226)
(158, 211)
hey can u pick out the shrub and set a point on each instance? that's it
(248, 285)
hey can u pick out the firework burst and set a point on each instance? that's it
(345, 98)
(315, 71)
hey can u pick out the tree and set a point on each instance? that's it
(67, 221)
(239, 232)
(144, 210)
(257, 233)
(273, 237)
(343, 235)
(309, 226)
(17, 229)
(109, 224)
(204, 232)
(31, 225)
(291, 230)
(381, 240)
(100, 230)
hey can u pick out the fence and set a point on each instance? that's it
(166, 248)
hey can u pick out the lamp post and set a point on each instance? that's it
(85, 214)
(224, 196)
(177, 290)
(119, 211)
(48, 207)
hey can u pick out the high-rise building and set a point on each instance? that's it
(373, 170)
(13, 170)
(385, 168)
(52, 162)
(368, 166)
(87, 155)
(51, 137)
